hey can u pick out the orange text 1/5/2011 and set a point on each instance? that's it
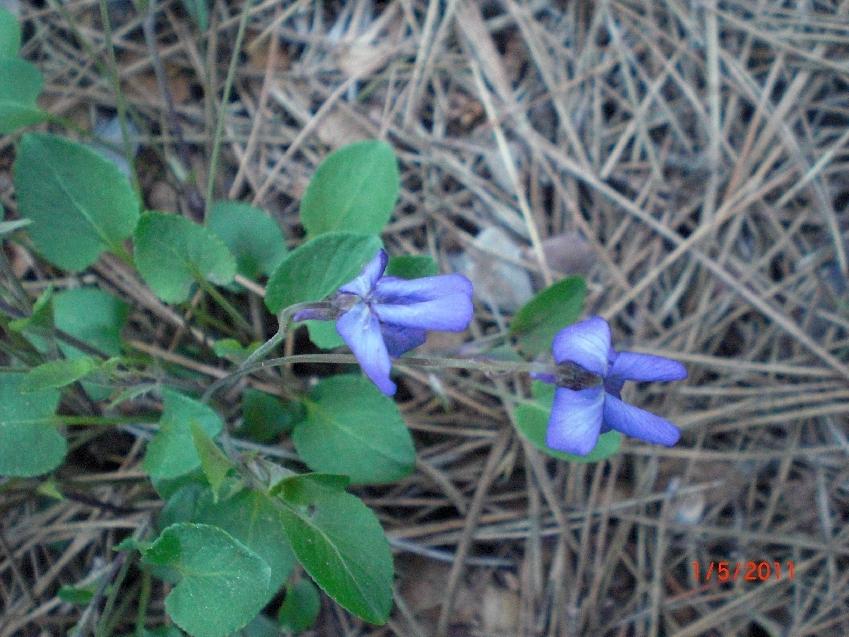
(725, 571)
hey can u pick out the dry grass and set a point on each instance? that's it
(699, 148)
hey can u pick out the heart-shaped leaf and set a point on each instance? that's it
(223, 583)
(91, 315)
(20, 86)
(80, 204)
(29, 442)
(253, 518)
(251, 235)
(172, 452)
(173, 252)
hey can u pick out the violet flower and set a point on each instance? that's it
(589, 385)
(381, 316)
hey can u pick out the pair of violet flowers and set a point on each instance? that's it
(380, 317)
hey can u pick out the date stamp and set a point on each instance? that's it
(725, 571)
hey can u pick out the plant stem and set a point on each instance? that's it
(120, 251)
(250, 363)
(224, 303)
(436, 362)
(144, 599)
(222, 111)
(119, 96)
(104, 421)
(491, 367)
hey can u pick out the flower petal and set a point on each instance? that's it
(401, 339)
(638, 423)
(360, 330)
(645, 367)
(575, 420)
(450, 313)
(368, 277)
(586, 343)
(392, 289)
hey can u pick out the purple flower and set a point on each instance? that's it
(589, 385)
(386, 316)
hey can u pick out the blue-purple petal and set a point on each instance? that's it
(360, 330)
(586, 343)
(368, 277)
(575, 420)
(401, 339)
(393, 290)
(645, 367)
(638, 423)
(450, 313)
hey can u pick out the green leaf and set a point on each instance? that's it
(216, 466)
(292, 486)
(161, 631)
(181, 502)
(532, 423)
(264, 417)
(199, 12)
(412, 266)
(29, 442)
(38, 326)
(539, 320)
(172, 453)
(232, 349)
(354, 189)
(75, 594)
(80, 203)
(317, 268)
(261, 626)
(340, 543)
(251, 235)
(256, 521)
(92, 316)
(173, 252)
(50, 489)
(20, 86)
(300, 607)
(223, 583)
(352, 429)
(323, 334)
(10, 35)
(57, 374)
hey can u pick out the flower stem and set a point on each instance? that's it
(436, 362)
(250, 364)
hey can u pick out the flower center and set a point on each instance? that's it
(575, 377)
